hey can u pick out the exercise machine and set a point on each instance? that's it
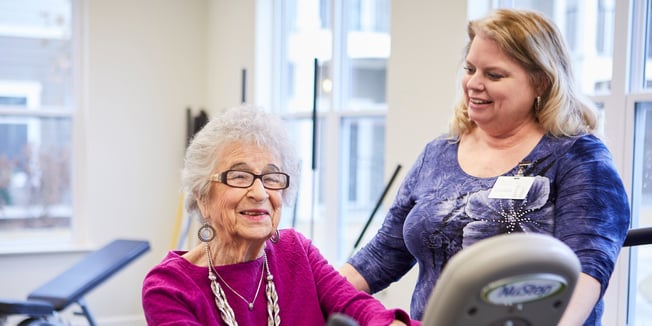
(42, 305)
(520, 279)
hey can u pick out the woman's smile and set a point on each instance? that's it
(255, 214)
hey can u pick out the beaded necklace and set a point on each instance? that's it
(226, 312)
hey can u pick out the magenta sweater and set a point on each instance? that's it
(176, 292)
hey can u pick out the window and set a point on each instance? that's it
(36, 111)
(605, 26)
(639, 99)
(647, 62)
(640, 296)
(347, 44)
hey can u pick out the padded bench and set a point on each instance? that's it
(73, 284)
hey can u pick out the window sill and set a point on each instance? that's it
(39, 242)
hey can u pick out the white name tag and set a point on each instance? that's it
(511, 187)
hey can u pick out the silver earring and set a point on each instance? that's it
(206, 233)
(275, 237)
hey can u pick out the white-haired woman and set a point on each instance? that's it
(239, 170)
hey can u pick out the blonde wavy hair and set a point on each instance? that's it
(535, 44)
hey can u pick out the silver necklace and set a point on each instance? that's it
(250, 305)
(226, 312)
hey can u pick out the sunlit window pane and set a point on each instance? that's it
(35, 38)
(36, 107)
(641, 269)
(303, 216)
(648, 52)
(605, 26)
(349, 42)
(35, 179)
(367, 50)
(363, 181)
(588, 28)
(307, 35)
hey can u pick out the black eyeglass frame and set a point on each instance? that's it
(222, 178)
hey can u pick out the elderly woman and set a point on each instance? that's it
(239, 170)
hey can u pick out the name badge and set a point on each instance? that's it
(515, 187)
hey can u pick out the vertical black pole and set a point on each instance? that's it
(315, 89)
(243, 96)
(373, 212)
(189, 125)
(314, 146)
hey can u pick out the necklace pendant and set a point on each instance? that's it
(251, 306)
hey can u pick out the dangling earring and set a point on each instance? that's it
(275, 237)
(537, 104)
(206, 232)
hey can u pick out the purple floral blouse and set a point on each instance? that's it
(577, 196)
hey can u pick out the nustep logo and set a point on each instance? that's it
(523, 288)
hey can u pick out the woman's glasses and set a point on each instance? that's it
(244, 179)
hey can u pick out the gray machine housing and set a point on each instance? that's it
(517, 279)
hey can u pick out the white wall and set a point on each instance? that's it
(146, 60)
(231, 44)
